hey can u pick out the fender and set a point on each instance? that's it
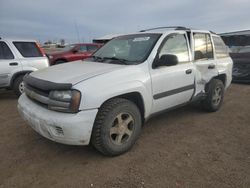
(16, 74)
(94, 97)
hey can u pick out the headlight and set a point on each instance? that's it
(65, 101)
(50, 56)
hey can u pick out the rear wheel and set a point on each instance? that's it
(60, 62)
(18, 85)
(215, 95)
(117, 127)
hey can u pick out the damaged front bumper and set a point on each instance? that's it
(72, 129)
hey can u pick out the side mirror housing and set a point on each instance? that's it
(74, 51)
(167, 60)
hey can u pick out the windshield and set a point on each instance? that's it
(131, 49)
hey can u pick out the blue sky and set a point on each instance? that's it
(56, 19)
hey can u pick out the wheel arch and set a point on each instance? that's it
(17, 74)
(221, 77)
(134, 97)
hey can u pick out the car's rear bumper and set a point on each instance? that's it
(241, 78)
(72, 129)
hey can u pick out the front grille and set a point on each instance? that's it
(37, 95)
(39, 90)
(42, 97)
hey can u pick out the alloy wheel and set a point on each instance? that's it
(217, 96)
(122, 128)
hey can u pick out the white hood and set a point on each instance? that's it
(74, 72)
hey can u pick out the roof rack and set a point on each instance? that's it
(168, 27)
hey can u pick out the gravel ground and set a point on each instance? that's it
(182, 148)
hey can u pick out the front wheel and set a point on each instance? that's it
(117, 127)
(215, 95)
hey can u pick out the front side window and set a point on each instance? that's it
(5, 52)
(129, 48)
(28, 49)
(202, 46)
(221, 49)
(176, 45)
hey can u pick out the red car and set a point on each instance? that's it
(73, 52)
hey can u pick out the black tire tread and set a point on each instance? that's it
(99, 121)
(58, 62)
(16, 85)
(207, 103)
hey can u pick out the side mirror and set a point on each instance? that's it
(167, 60)
(74, 51)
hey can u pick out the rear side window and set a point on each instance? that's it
(5, 52)
(202, 46)
(82, 48)
(92, 48)
(221, 49)
(28, 49)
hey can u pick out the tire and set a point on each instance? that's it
(117, 127)
(57, 62)
(18, 85)
(215, 95)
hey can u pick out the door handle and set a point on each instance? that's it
(189, 71)
(13, 64)
(212, 66)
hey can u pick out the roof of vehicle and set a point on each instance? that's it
(17, 39)
(108, 37)
(97, 44)
(243, 32)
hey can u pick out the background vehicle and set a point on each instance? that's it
(73, 52)
(106, 99)
(18, 57)
(239, 44)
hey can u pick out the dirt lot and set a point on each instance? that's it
(182, 148)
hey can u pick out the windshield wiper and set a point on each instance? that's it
(117, 60)
(97, 58)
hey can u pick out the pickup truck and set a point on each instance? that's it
(106, 99)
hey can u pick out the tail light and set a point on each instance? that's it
(40, 49)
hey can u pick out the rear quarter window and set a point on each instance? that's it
(221, 50)
(28, 49)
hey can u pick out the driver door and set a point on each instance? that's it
(173, 85)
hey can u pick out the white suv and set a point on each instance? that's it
(18, 57)
(106, 99)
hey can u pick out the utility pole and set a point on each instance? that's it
(77, 32)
